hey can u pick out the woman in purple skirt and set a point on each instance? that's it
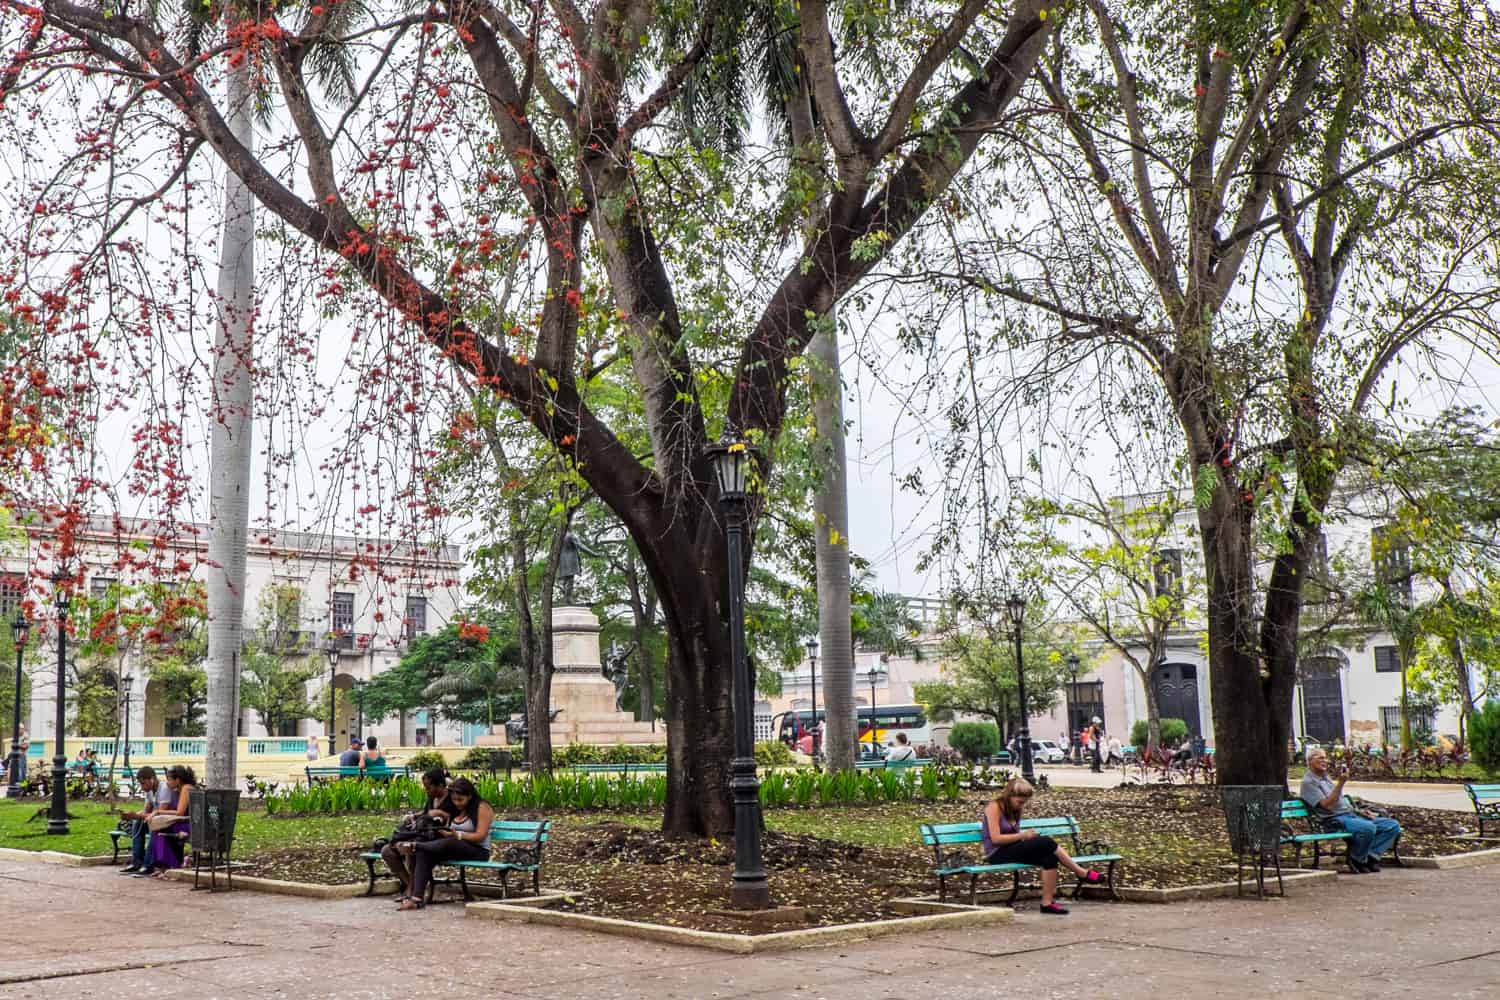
(167, 848)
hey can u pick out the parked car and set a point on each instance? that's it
(1048, 752)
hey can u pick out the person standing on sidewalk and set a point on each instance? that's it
(1096, 734)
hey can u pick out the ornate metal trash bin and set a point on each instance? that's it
(211, 814)
(1253, 813)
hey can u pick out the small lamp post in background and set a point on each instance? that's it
(812, 660)
(359, 699)
(125, 685)
(1073, 727)
(749, 889)
(20, 630)
(874, 740)
(57, 818)
(333, 673)
(1015, 608)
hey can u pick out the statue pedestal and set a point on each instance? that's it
(581, 691)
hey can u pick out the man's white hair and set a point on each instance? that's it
(1316, 752)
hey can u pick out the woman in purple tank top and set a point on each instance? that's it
(1006, 843)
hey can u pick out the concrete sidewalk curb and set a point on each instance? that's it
(741, 944)
(54, 858)
(1469, 859)
(281, 887)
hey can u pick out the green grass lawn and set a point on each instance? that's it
(254, 832)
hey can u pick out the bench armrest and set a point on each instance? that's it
(523, 854)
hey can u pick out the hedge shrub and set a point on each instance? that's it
(1484, 736)
(1173, 731)
(975, 740)
(423, 759)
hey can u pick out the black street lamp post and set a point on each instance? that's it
(57, 819)
(1016, 608)
(874, 743)
(749, 889)
(333, 674)
(812, 660)
(1073, 710)
(359, 699)
(20, 629)
(125, 684)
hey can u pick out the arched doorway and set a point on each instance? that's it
(1322, 699)
(344, 711)
(1176, 687)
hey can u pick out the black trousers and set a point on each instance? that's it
(432, 853)
(1039, 851)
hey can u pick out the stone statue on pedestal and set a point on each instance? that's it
(616, 670)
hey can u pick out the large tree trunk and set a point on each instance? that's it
(1252, 675)
(229, 475)
(684, 556)
(1153, 709)
(831, 523)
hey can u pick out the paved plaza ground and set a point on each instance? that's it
(86, 932)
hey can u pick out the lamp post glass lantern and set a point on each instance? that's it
(57, 817)
(20, 630)
(812, 662)
(749, 889)
(1015, 608)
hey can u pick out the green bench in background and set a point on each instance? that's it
(1486, 799)
(947, 841)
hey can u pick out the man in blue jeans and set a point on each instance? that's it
(1372, 835)
(158, 796)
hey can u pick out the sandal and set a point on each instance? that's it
(410, 904)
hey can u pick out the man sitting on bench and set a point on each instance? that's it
(158, 796)
(1372, 835)
(350, 757)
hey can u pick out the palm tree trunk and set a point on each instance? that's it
(229, 476)
(831, 517)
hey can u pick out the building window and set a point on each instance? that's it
(12, 592)
(1423, 721)
(1391, 558)
(343, 615)
(1387, 660)
(1167, 572)
(416, 616)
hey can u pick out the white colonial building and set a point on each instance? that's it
(361, 598)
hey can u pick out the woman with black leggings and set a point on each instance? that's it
(1006, 843)
(466, 838)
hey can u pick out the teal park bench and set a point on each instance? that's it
(950, 840)
(1319, 833)
(658, 768)
(522, 841)
(892, 765)
(317, 775)
(122, 833)
(1486, 799)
